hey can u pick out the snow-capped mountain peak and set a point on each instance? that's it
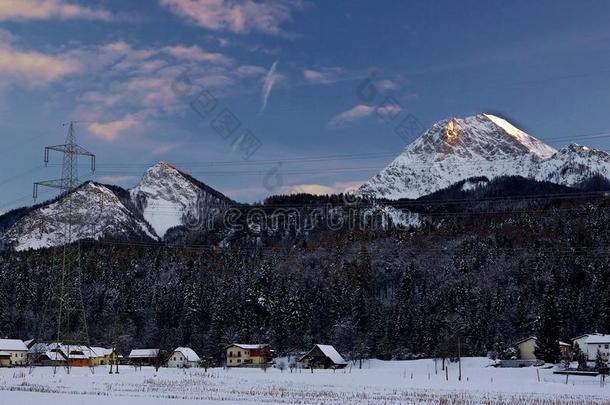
(481, 145)
(165, 195)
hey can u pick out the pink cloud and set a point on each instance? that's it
(323, 76)
(353, 114)
(111, 130)
(34, 68)
(195, 53)
(49, 9)
(238, 16)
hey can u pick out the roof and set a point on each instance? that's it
(12, 345)
(525, 340)
(143, 353)
(564, 344)
(100, 351)
(329, 352)
(250, 346)
(188, 353)
(584, 336)
(597, 339)
(5, 354)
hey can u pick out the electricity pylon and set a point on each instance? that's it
(66, 307)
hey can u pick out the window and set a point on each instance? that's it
(230, 361)
(239, 360)
(238, 354)
(605, 346)
(230, 353)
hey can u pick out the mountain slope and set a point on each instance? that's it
(165, 196)
(97, 212)
(483, 145)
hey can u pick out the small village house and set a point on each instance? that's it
(565, 349)
(101, 356)
(244, 355)
(526, 347)
(79, 355)
(183, 357)
(144, 357)
(581, 341)
(13, 352)
(322, 356)
(47, 354)
(597, 343)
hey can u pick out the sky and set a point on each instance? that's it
(264, 97)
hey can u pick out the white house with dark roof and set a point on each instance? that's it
(183, 357)
(13, 352)
(597, 343)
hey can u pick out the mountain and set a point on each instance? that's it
(166, 196)
(98, 211)
(482, 145)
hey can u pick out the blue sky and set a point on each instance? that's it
(119, 68)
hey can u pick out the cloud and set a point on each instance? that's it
(386, 111)
(33, 69)
(387, 84)
(237, 16)
(353, 114)
(322, 76)
(19, 10)
(268, 86)
(321, 189)
(117, 179)
(109, 131)
(195, 53)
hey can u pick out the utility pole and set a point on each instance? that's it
(67, 305)
(459, 359)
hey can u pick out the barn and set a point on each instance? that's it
(322, 356)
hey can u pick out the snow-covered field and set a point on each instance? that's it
(379, 382)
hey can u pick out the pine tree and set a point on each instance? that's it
(600, 362)
(547, 341)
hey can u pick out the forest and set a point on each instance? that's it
(485, 267)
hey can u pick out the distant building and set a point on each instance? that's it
(322, 356)
(582, 342)
(101, 356)
(598, 342)
(183, 357)
(565, 349)
(526, 347)
(13, 352)
(244, 355)
(144, 357)
(78, 355)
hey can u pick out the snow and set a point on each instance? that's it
(250, 346)
(166, 196)
(483, 145)
(188, 353)
(97, 211)
(143, 353)
(378, 382)
(12, 345)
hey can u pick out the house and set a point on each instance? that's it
(13, 352)
(526, 347)
(582, 342)
(183, 357)
(78, 355)
(59, 354)
(144, 357)
(565, 349)
(598, 342)
(47, 354)
(102, 356)
(245, 355)
(322, 356)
